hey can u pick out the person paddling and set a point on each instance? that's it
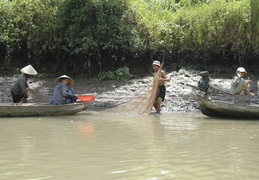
(20, 89)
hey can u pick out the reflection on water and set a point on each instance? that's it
(101, 146)
(85, 130)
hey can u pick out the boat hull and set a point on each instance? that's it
(35, 109)
(227, 110)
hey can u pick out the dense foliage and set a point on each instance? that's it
(119, 74)
(91, 36)
(255, 25)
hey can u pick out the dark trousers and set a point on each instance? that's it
(16, 97)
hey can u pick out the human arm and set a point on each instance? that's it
(237, 79)
(248, 80)
(239, 76)
(165, 77)
(64, 90)
(23, 85)
(68, 92)
(68, 95)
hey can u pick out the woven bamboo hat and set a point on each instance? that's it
(71, 81)
(29, 70)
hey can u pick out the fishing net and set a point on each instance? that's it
(142, 104)
(36, 97)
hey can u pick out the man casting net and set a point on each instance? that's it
(142, 104)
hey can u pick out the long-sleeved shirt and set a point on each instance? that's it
(59, 92)
(20, 85)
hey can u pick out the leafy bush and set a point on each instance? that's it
(119, 74)
(43, 75)
(26, 26)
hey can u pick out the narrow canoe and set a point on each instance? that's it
(36, 109)
(227, 110)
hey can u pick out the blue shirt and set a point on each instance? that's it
(59, 92)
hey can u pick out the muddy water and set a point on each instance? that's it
(94, 146)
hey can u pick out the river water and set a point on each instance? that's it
(96, 146)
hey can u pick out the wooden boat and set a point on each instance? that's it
(37, 109)
(214, 108)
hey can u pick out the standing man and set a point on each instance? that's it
(19, 90)
(161, 89)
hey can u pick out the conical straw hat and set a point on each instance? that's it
(71, 81)
(29, 70)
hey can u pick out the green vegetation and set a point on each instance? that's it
(87, 36)
(42, 75)
(255, 25)
(119, 74)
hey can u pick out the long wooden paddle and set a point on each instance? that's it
(21, 101)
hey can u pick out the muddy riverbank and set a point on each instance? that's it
(110, 93)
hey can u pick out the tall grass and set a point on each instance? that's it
(198, 32)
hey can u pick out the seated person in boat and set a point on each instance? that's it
(239, 84)
(204, 82)
(161, 89)
(63, 92)
(19, 90)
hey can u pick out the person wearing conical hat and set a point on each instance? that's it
(239, 85)
(19, 90)
(63, 91)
